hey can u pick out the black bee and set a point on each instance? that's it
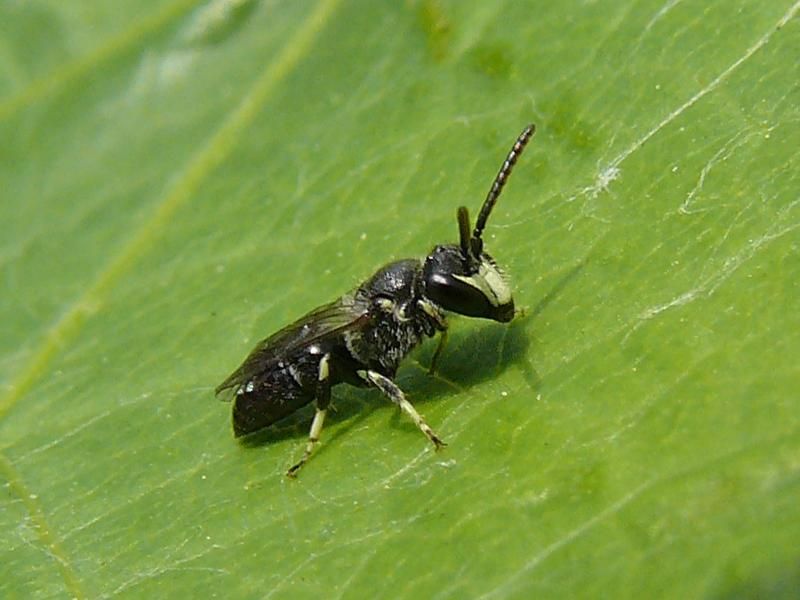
(361, 338)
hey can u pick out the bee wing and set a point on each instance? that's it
(336, 317)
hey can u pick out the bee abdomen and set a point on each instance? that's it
(271, 397)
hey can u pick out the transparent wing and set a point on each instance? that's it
(334, 318)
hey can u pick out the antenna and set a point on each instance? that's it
(463, 229)
(499, 182)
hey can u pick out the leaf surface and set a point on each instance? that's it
(180, 179)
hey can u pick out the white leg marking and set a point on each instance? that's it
(316, 427)
(323, 397)
(324, 369)
(433, 312)
(395, 394)
(313, 438)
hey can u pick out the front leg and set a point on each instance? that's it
(440, 324)
(437, 353)
(395, 394)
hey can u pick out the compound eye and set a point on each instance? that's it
(459, 296)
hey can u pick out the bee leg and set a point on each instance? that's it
(438, 352)
(440, 324)
(321, 402)
(395, 394)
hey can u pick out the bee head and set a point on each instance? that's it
(468, 285)
(464, 279)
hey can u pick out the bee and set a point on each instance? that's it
(362, 337)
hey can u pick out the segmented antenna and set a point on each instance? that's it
(500, 181)
(463, 229)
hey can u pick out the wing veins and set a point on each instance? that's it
(333, 318)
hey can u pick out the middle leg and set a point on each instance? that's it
(395, 394)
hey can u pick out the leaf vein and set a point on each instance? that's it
(208, 158)
(48, 539)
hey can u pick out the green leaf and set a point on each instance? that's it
(180, 179)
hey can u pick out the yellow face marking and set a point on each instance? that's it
(496, 282)
(490, 282)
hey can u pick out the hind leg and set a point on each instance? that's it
(322, 398)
